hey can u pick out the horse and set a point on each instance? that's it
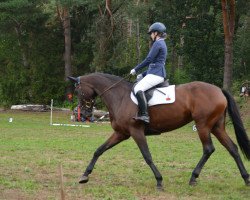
(201, 102)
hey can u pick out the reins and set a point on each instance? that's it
(127, 76)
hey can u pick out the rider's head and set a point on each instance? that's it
(157, 29)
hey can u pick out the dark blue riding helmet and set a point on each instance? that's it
(157, 26)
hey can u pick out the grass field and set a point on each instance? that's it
(32, 152)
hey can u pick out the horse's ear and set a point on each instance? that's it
(74, 80)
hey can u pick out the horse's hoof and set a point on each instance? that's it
(84, 179)
(192, 182)
(159, 188)
(247, 180)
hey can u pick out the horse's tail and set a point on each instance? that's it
(240, 131)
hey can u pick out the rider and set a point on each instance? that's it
(156, 72)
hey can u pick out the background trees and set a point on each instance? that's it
(43, 41)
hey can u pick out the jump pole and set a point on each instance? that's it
(57, 124)
(51, 111)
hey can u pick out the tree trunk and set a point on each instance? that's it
(228, 66)
(130, 23)
(228, 13)
(110, 15)
(19, 38)
(63, 13)
(174, 62)
(138, 49)
(67, 40)
(105, 28)
(180, 57)
(67, 53)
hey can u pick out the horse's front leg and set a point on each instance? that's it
(141, 141)
(114, 139)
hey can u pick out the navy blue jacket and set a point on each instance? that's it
(155, 59)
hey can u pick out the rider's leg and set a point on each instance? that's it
(146, 83)
(143, 107)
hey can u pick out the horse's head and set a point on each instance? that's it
(85, 94)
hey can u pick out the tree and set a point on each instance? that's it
(63, 11)
(15, 18)
(42, 78)
(228, 13)
(242, 51)
(108, 27)
(241, 70)
(42, 42)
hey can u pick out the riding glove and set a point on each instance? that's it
(133, 72)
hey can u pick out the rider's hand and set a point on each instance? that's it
(139, 77)
(133, 72)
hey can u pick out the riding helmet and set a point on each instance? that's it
(157, 26)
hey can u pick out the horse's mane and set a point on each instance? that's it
(111, 77)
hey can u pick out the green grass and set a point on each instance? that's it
(32, 151)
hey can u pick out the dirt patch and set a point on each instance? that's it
(10, 194)
(161, 197)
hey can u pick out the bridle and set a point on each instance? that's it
(89, 104)
(86, 103)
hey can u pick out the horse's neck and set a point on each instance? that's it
(102, 84)
(111, 92)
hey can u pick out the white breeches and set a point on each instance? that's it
(148, 82)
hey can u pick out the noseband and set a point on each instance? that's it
(84, 104)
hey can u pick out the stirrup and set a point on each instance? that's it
(143, 118)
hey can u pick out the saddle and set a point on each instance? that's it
(149, 93)
(162, 93)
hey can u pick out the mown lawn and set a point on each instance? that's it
(32, 151)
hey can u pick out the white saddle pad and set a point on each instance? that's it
(163, 95)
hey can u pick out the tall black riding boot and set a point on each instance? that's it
(143, 107)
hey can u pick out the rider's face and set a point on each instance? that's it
(153, 35)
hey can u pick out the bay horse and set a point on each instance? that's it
(203, 103)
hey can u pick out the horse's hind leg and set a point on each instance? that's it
(208, 149)
(114, 139)
(222, 136)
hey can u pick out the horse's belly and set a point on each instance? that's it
(165, 118)
(165, 127)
